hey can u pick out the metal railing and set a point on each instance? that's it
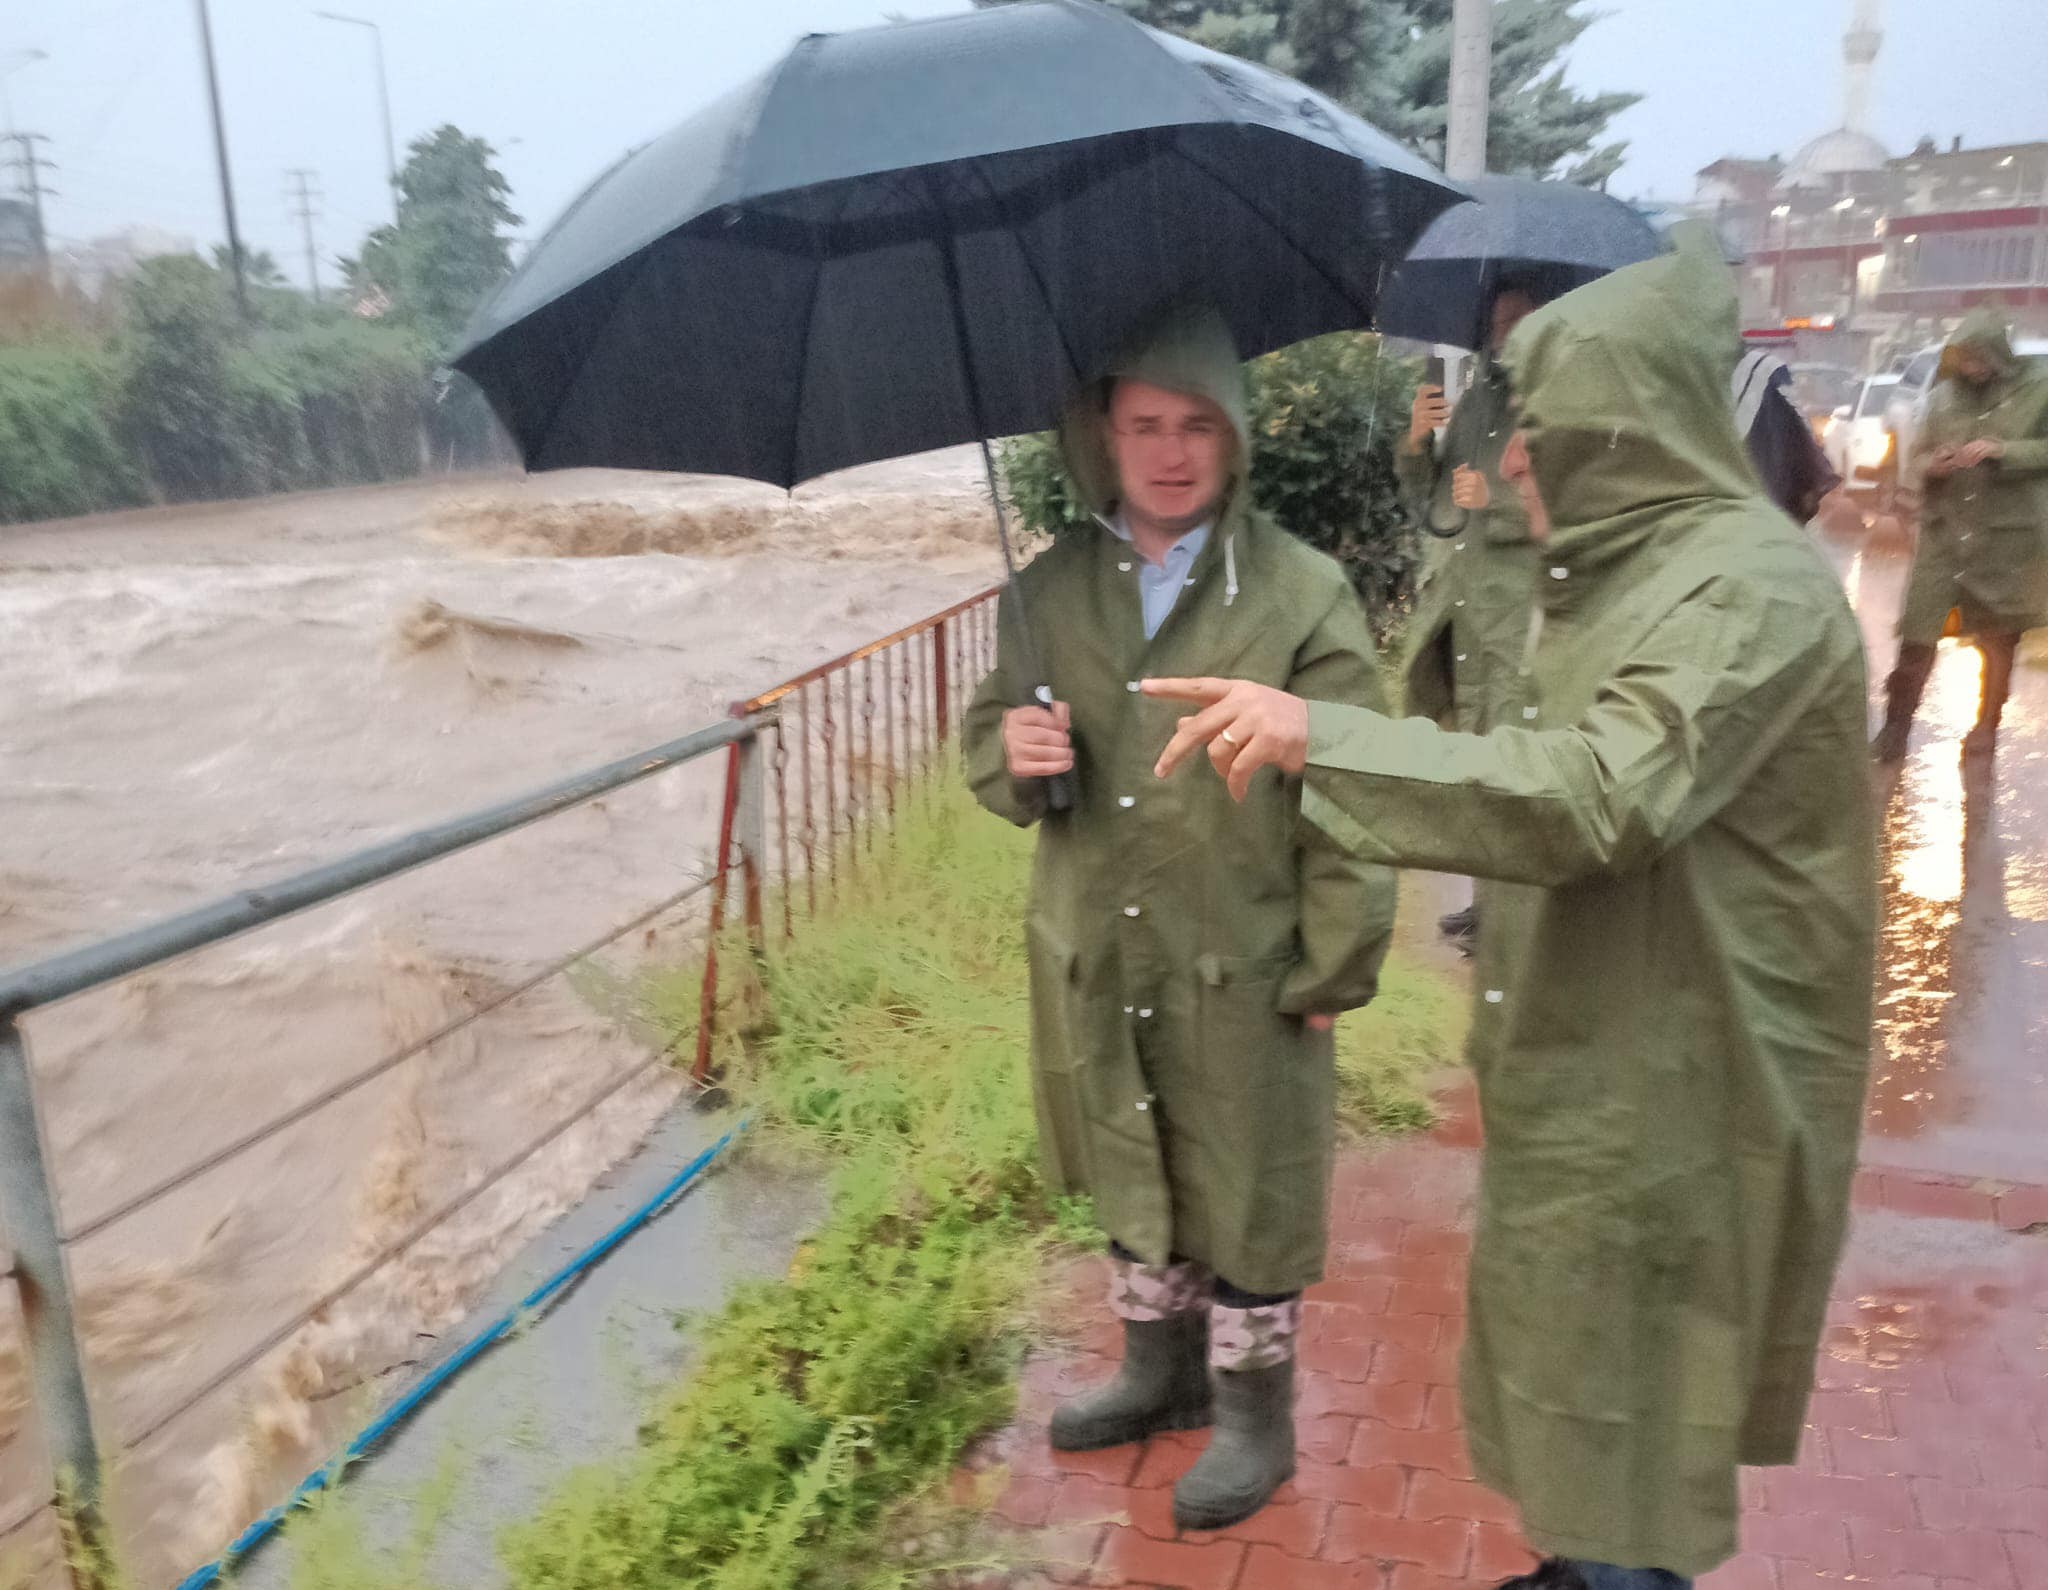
(843, 744)
(42, 1243)
(817, 769)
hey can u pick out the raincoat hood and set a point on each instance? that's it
(1985, 334)
(1188, 349)
(1624, 401)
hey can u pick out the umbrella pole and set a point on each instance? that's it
(1059, 789)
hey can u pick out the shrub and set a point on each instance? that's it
(58, 452)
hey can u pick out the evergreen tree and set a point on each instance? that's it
(1389, 60)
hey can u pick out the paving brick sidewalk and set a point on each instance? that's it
(1926, 1460)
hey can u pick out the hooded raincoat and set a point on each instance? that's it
(1983, 548)
(1677, 981)
(1176, 942)
(1479, 569)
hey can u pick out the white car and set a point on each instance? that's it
(1857, 440)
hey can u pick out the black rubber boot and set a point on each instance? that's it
(1251, 1454)
(1162, 1384)
(1908, 682)
(1999, 651)
(1553, 1574)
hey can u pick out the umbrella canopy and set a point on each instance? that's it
(1548, 236)
(929, 233)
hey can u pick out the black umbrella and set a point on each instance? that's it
(1547, 236)
(777, 287)
(931, 233)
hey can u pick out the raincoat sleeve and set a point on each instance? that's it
(1704, 700)
(1347, 904)
(1018, 800)
(2027, 454)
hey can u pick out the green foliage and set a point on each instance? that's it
(184, 402)
(59, 454)
(817, 1402)
(447, 248)
(1324, 417)
(1387, 1053)
(179, 408)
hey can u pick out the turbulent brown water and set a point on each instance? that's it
(201, 699)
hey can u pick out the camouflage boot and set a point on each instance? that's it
(1163, 1382)
(1251, 1351)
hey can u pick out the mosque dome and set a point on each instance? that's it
(1840, 153)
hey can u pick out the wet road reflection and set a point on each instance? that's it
(1960, 1036)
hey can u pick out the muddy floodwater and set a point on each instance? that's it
(201, 699)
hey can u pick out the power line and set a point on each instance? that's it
(29, 167)
(303, 201)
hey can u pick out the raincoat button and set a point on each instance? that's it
(1127, 801)
(1460, 602)
(1189, 581)
(1494, 996)
(1458, 546)
(1123, 568)
(1130, 910)
(1130, 1010)
(1560, 572)
(1461, 656)
(1528, 712)
(1131, 685)
(1144, 1105)
(1145, 1015)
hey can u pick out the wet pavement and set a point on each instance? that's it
(1926, 1460)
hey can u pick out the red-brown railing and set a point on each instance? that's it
(838, 750)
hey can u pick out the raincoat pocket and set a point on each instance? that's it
(1245, 1043)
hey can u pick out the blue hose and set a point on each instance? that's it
(539, 1298)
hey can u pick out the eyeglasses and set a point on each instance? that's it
(1196, 435)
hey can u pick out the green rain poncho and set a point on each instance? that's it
(1176, 941)
(1677, 984)
(1479, 570)
(1983, 547)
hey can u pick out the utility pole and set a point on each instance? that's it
(303, 202)
(1471, 95)
(220, 155)
(30, 184)
(383, 97)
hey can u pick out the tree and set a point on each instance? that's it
(1389, 60)
(448, 247)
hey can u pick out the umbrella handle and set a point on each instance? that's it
(1059, 788)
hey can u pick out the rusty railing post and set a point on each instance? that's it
(752, 831)
(707, 1001)
(939, 682)
(56, 1362)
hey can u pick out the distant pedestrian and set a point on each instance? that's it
(1981, 459)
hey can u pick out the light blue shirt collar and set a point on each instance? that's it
(1160, 584)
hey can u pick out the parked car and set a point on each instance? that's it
(1908, 400)
(1859, 445)
(1819, 389)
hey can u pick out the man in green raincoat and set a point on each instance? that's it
(1672, 1093)
(1982, 455)
(1479, 568)
(1186, 959)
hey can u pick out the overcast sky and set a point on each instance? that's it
(563, 86)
